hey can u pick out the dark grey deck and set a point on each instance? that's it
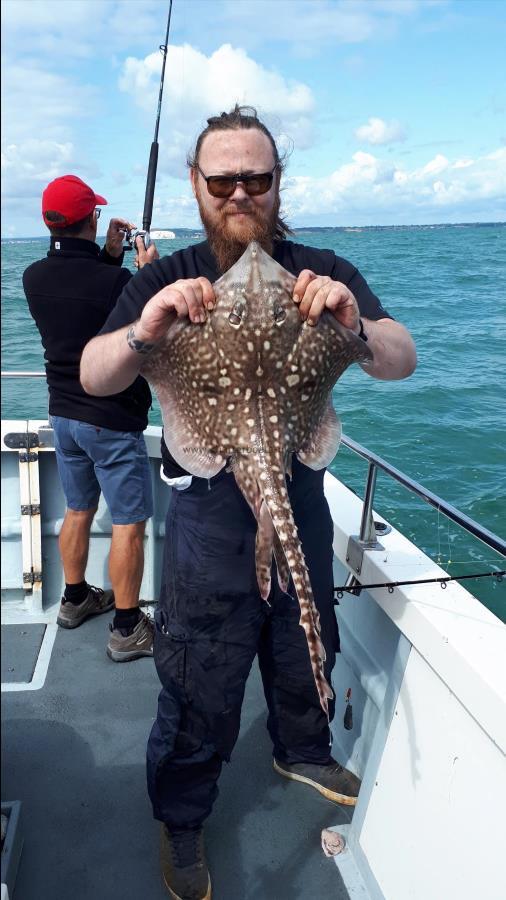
(73, 753)
(20, 649)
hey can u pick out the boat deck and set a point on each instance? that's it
(73, 754)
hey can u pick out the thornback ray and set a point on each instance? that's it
(247, 389)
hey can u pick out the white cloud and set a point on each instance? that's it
(36, 101)
(33, 161)
(67, 30)
(38, 140)
(368, 190)
(201, 84)
(308, 25)
(78, 30)
(434, 167)
(377, 131)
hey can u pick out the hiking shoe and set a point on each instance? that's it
(97, 602)
(184, 866)
(332, 780)
(122, 648)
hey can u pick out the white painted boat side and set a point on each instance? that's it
(428, 823)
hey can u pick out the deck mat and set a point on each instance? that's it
(20, 650)
(73, 753)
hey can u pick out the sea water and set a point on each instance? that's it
(444, 426)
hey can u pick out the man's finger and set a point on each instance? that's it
(300, 286)
(208, 296)
(193, 295)
(318, 305)
(310, 293)
(342, 303)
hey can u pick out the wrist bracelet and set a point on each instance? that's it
(136, 345)
(362, 333)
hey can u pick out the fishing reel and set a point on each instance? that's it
(130, 237)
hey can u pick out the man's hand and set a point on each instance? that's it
(116, 235)
(314, 293)
(187, 297)
(144, 256)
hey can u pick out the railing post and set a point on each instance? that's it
(367, 529)
(367, 539)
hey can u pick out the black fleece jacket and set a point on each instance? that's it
(70, 295)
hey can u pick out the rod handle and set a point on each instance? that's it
(150, 187)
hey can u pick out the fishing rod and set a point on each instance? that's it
(153, 158)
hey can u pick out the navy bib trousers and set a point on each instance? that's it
(211, 622)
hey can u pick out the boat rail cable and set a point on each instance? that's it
(153, 158)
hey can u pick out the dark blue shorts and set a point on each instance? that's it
(93, 460)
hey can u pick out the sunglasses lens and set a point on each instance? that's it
(224, 185)
(221, 185)
(258, 184)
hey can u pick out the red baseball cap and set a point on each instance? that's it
(70, 197)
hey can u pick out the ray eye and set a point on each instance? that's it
(235, 316)
(279, 315)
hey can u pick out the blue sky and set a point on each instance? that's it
(392, 111)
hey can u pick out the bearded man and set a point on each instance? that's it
(211, 621)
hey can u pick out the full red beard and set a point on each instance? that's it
(228, 238)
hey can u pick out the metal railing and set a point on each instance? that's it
(368, 528)
(376, 462)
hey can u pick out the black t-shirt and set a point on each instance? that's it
(70, 294)
(197, 260)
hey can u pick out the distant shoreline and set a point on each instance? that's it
(192, 232)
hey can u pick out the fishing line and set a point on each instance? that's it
(339, 591)
(153, 158)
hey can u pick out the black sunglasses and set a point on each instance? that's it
(224, 185)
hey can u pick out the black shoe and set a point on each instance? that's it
(332, 780)
(184, 865)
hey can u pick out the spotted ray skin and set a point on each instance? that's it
(248, 388)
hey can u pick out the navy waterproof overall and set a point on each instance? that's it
(210, 624)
